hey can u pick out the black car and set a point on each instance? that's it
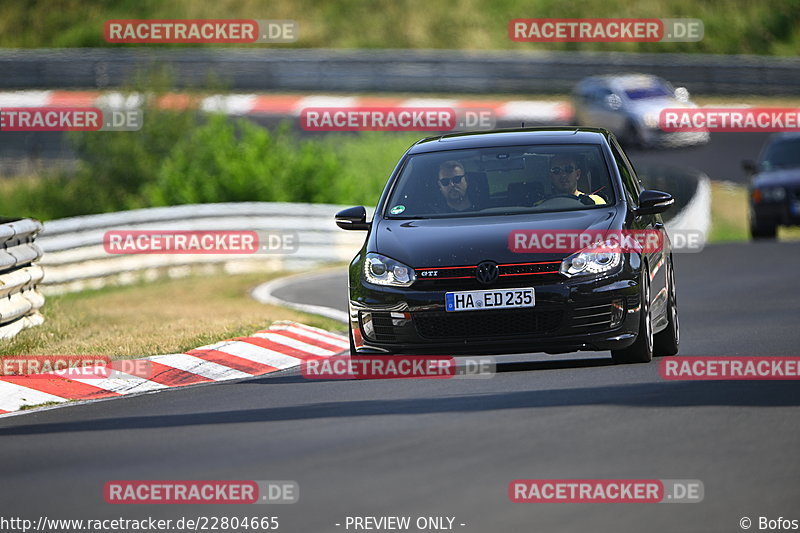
(775, 186)
(438, 273)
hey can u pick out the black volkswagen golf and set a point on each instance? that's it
(498, 242)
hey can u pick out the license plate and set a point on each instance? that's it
(488, 299)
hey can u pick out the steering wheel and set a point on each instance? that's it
(571, 196)
(560, 196)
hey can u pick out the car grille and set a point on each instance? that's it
(510, 275)
(591, 318)
(470, 324)
(383, 327)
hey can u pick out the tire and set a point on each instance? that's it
(641, 351)
(667, 342)
(759, 229)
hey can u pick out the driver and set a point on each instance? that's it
(453, 184)
(564, 176)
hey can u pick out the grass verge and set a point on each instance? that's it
(166, 316)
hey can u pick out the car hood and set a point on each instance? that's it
(655, 105)
(777, 177)
(469, 240)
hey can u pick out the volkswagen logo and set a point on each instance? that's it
(486, 272)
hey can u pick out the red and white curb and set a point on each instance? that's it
(543, 111)
(284, 345)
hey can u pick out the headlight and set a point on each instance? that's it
(598, 258)
(773, 194)
(650, 120)
(382, 270)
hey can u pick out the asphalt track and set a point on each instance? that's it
(450, 447)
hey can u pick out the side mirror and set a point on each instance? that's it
(682, 94)
(654, 202)
(352, 218)
(749, 166)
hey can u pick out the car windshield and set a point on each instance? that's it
(782, 154)
(501, 181)
(656, 90)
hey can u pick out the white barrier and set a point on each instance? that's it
(20, 299)
(75, 258)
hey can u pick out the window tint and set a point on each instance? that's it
(501, 180)
(784, 153)
(629, 179)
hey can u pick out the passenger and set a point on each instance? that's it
(564, 175)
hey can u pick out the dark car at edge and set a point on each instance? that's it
(418, 254)
(775, 186)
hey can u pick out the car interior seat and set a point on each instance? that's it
(478, 189)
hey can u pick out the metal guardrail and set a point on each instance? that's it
(395, 70)
(75, 258)
(20, 299)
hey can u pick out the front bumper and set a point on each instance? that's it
(569, 315)
(783, 213)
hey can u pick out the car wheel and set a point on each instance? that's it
(667, 341)
(641, 351)
(760, 229)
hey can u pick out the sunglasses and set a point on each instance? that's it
(567, 169)
(455, 179)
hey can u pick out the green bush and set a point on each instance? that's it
(237, 161)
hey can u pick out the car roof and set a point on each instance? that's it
(510, 137)
(784, 135)
(623, 80)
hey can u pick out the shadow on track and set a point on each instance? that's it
(660, 395)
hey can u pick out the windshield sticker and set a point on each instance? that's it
(396, 210)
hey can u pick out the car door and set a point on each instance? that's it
(656, 256)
